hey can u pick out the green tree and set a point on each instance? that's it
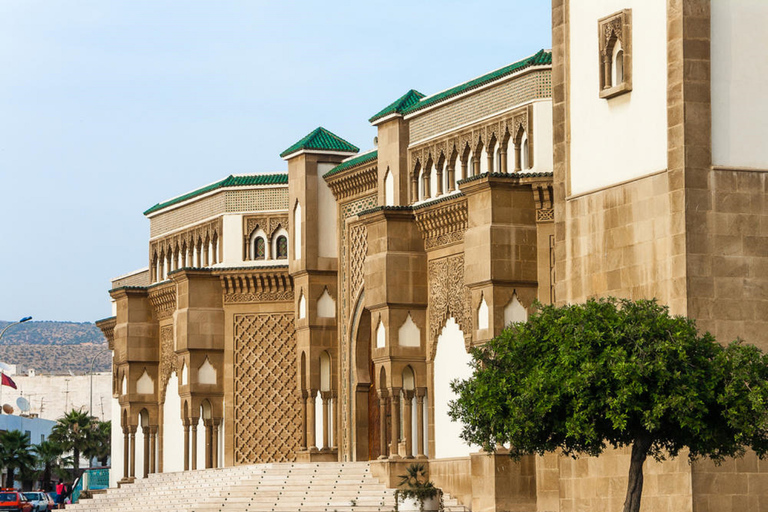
(99, 440)
(48, 454)
(15, 454)
(72, 432)
(615, 372)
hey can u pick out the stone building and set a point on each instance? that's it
(320, 315)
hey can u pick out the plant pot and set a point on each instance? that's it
(412, 505)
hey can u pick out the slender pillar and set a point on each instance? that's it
(133, 452)
(439, 171)
(451, 177)
(420, 423)
(208, 443)
(194, 443)
(490, 159)
(325, 397)
(414, 188)
(334, 429)
(476, 163)
(606, 71)
(186, 444)
(153, 449)
(503, 158)
(303, 395)
(206, 250)
(383, 423)
(427, 183)
(126, 452)
(160, 267)
(408, 423)
(464, 169)
(145, 431)
(311, 420)
(517, 155)
(215, 444)
(394, 434)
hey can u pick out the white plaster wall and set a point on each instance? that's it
(232, 238)
(173, 430)
(326, 211)
(326, 306)
(116, 442)
(200, 443)
(542, 138)
(739, 68)
(624, 137)
(451, 362)
(139, 450)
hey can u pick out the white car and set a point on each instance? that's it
(41, 502)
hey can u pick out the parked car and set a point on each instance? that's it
(41, 502)
(13, 500)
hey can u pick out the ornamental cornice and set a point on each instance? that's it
(107, 327)
(356, 181)
(163, 300)
(443, 223)
(257, 286)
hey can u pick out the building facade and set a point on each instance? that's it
(320, 315)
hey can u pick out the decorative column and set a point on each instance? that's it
(334, 429)
(464, 169)
(490, 159)
(408, 423)
(383, 423)
(439, 174)
(503, 158)
(208, 442)
(476, 163)
(152, 449)
(606, 71)
(194, 442)
(451, 176)
(414, 188)
(205, 250)
(145, 431)
(215, 444)
(517, 154)
(303, 398)
(427, 185)
(394, 434)
(126, 451)
(186, 444)
(311, 420)
(420, 392)
(325, 397)
(133, 451)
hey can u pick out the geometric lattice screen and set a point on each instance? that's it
(267, 412)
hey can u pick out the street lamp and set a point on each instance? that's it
(90, 405)
(25, 319)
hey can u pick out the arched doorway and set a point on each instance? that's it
(366, 403)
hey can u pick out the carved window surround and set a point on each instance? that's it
(612, 29)
(257, 285)
(442, 222)
(354, 182)
(184, 240)
(267, 223)
(452, 150)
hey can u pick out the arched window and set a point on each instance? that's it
(259, 248)
(618, 65)
(526, 153)
(282, 247)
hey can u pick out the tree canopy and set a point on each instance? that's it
(15, 454)
(615, 372)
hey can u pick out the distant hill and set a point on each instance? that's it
(52, 333)
(55, 347)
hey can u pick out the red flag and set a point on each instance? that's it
(7, 381)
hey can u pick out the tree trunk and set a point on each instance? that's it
(10, 477)
(635, 484)
(76, 463)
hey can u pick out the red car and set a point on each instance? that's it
(13, 500)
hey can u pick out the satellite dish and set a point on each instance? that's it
(5, 367)
(7, 409)
(23, 404)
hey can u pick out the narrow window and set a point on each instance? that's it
(282, 247)
(259, 249)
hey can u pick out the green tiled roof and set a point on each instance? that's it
(541, 58)
(400, 104)
(230, 181)
(352, 162)
(321, 139)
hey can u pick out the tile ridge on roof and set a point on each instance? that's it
(314, 140)
(541, 57)
(371, 154)
(229, 181)
(397, 106)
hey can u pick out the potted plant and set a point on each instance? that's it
(416, 492)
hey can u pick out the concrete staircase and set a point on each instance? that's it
(287, 487)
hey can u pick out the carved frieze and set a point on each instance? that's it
(354, 182)
(167, 358)
(257, 286)
(163, 300)
(443, 223)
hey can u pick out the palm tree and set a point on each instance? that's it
(72, 432)
(15, 453)
(99, 441)
(48, 454)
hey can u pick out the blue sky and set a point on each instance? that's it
(109, 106)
